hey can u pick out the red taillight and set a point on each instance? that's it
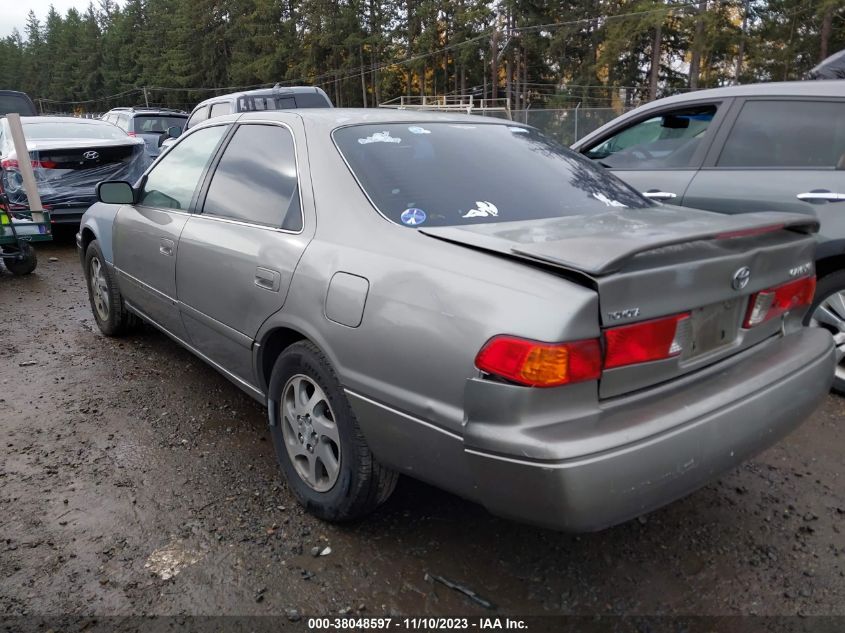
(539, 364)
(771, 303)
(642, 342)
(12, 163)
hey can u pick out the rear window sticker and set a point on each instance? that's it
(380, 137)
(462, 126)
(611, 203)
(482, 210)
(413, 216)
(416, 129)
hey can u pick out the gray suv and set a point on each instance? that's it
(150, 124)
(760, 147)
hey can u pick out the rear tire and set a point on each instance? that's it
(310, 417)
(104, 296)
(828, 311)
(27, 262)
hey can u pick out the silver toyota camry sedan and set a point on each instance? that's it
(464, 301)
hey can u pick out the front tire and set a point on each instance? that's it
(828, 311)
(26, 262)
(326, 460)
(106, 301)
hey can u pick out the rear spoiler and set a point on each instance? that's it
(599, 245)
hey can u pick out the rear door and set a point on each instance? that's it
(236, 259)
(778, 154)
(146, 235)
(658, 153)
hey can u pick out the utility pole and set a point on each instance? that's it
(146, 100)
(494, 59)
(741, 52)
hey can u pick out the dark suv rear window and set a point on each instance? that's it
(15, 103)
(152, 123)
(444, 174)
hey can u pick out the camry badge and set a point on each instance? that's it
(741, 278)
(91, 155)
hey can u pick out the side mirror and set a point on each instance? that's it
(172, 132)
(115, 192)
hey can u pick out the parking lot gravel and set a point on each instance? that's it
(137, 480)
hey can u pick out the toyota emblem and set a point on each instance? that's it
(741, 278)
(91, 155)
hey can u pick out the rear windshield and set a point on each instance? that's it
(254, 103)
(15, 103)
(446, 174)
(72, 129)
(146, 123)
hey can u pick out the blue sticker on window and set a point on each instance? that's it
(413, 217)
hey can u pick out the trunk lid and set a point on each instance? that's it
(661, 261)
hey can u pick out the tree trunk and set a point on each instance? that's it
(827, 27)
(494, 66)
(741, 52)
(363, 75)
(697, 45)
(654, 71)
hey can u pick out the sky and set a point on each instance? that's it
(13, 12)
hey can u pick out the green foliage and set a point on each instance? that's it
(363, 52)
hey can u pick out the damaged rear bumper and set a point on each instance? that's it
(602, 467)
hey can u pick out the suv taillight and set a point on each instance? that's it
(772, 302)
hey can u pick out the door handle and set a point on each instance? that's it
(166, 247)
(654, 194)
(821, 196)
(268, 279)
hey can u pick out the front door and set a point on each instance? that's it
(659, 154)
(146, 235)
(236, 258)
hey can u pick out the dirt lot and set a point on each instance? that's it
(127, 460)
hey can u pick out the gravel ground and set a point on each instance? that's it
(136, 480)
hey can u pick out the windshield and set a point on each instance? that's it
(446, 174)
(150, 124)
(72, 129)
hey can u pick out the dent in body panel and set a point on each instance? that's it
(346, 298)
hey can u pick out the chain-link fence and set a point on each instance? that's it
(564, 125)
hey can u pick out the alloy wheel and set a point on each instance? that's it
(310, 433)
(830, 314)
(99, 289)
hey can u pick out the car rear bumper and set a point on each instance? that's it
(603, 476)
(68, 216)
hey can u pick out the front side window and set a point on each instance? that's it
(450, 174)
(172, 182)
(786, 134)
(220, 109)
(256, 179)
(667, 141)
(198, 117)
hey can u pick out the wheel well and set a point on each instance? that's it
(87, 237)
(275, 343)
(829, 265)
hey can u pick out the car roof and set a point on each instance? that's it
(331, 118)
(261, 92)
(819, 88)
(149, 111)
(27, 120)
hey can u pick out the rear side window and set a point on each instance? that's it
(220, 109)
(666, 141)
(256, 179)
(787, 134)
(173, 180)
(197, 117)
(449, 174)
